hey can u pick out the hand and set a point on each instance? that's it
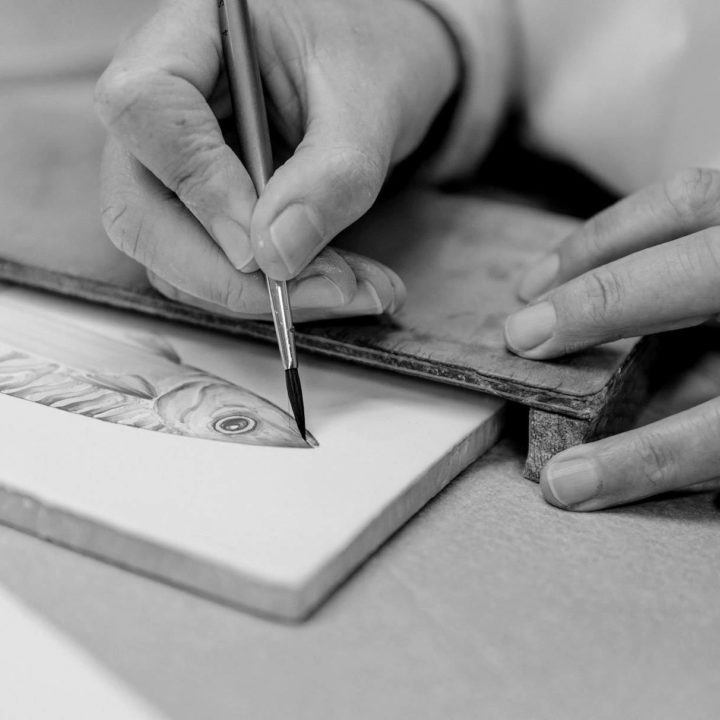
(649, 264)
(352, 89)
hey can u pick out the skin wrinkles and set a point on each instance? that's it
(662, 249)
(349, 119)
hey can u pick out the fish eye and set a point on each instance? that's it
(234, 425)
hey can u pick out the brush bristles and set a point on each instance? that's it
(292, 380)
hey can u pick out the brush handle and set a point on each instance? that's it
(246, 92)
(251, 124)
(282, 319)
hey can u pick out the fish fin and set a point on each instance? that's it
(133, 385)
(156, 344)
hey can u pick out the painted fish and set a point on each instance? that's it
(140, 382)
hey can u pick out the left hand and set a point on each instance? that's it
(648, 264)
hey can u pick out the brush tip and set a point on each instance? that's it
(294, 389)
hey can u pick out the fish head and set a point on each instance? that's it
(215, 410)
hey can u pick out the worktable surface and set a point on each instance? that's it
(490, 603)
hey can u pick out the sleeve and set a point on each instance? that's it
(483, 31)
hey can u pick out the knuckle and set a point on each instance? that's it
(693, 193)
(117, 94)
(236, 296)
(190, 156)
(588, 245)
(231, 296)
(656, 459)
(222, 289)
(704, 428)
(360, 175)
(604, 295)
(193, 174)
(124, 226)
(702, 256)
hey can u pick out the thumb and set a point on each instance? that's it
(332, 179)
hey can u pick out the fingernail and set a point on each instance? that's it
(399, 292)
(316, 292)
(295, 238)
(540, 278)
(572, 481)
(233, 239)
(365, 302)
(374, 305)
(530, 327)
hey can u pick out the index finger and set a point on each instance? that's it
(679, 206)
(662, 288)
(152, 98)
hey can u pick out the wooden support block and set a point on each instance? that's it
(614, 411)
(549, 434)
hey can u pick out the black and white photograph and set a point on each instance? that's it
(360, 359)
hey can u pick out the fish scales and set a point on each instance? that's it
(80, 397)
(134, 380)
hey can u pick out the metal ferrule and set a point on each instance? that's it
(280, 307)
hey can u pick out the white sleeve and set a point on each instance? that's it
(483, 30)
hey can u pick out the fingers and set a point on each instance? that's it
(153, 99)
(381, 280)
(662, 288)
(332, 179)
(685, 204)
(144, 220)
(379, 290)
(148, 223)
(671, 454)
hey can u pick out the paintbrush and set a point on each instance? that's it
(251, 123)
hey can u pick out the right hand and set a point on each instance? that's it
(352, 88)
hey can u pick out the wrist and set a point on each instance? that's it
(422, 144)
(436, 72)
(452, 51)
(483, 33)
